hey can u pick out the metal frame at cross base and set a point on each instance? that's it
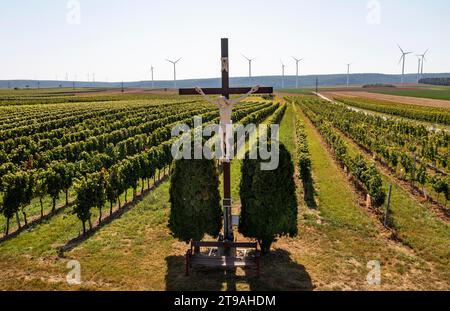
(226, 91)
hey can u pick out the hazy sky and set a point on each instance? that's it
(119, 40)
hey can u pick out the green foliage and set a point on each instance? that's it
(40, 184)
(366, 173)
(195, 200)
(429, 114)
(91, 193)
(17, 188)
(421, 175)
(54, 184)
(129, 140)
(304, 164)
(268, 96)
(17, 193)
(66, 173)
(441, 184)
(269, 203)
(131, 172)
(115, 184)
(375, 185)
(260, 115)
(377, 85)
(441, 93)
(393, 142)
(303, 157)
(435, 81)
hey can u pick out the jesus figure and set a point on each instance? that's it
(225, 109)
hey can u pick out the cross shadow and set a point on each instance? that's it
(198, 279)
(278, 272)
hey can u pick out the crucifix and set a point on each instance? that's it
(225, 91)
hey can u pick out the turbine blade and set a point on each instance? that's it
(400, 48)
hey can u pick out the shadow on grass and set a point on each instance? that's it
(70, 245)
(34, 222)
(309, 195)
(309, 192)
(278, 272)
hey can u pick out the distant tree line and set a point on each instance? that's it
(375, 85)
(435, 81)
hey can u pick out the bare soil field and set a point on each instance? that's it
(393, 98)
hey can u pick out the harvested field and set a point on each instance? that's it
(393, 98)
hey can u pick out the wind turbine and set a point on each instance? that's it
(419, 60)
(282, 73)
(249, 68)
(174, 70)
(348, 74)
(297, 60)
(153, 81)
(403, 57)
(422, 56)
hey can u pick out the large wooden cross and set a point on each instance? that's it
(226, 91)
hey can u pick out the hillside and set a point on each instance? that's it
(304, 81)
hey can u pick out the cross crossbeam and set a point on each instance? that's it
(229, 91)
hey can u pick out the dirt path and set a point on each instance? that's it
(394, 98)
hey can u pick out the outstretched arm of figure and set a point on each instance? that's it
(200, 91)
(253, 90)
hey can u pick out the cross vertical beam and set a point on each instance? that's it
(228, 230)
(225, 68)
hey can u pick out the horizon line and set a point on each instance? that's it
(218, 78)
